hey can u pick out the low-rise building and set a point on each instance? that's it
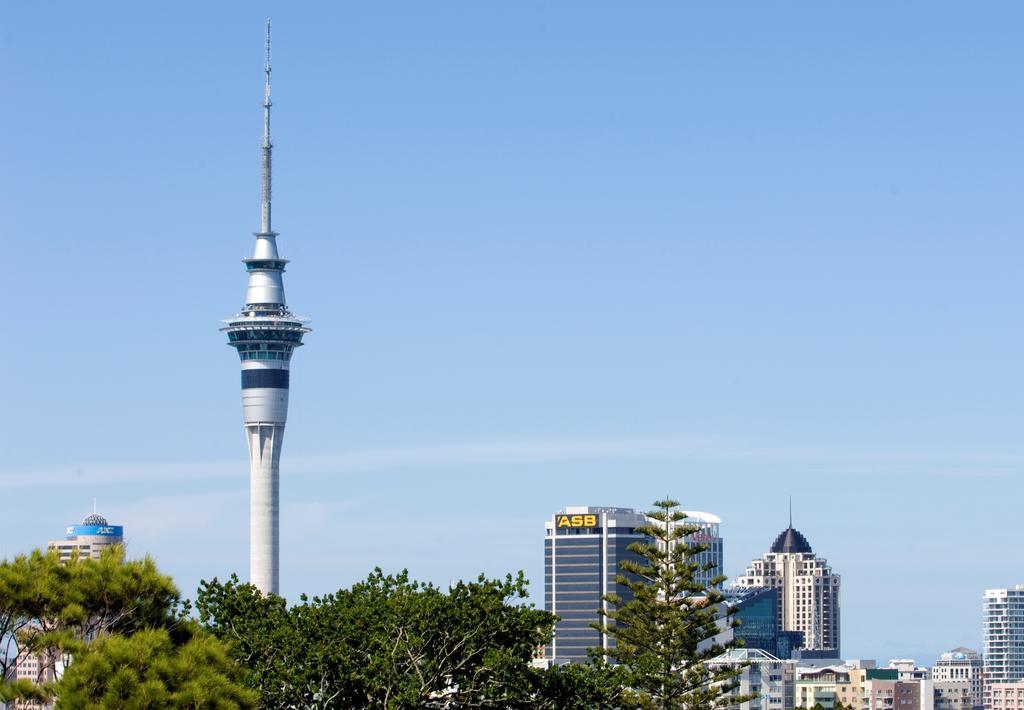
(901, 686)
(1007, 696)
(829, 686)
(954, 695)
(886, 694)
(763, 675)
(957, 678)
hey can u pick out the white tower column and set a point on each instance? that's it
(264, 504)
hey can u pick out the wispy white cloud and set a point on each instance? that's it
(175, 515)
(522, 451)
(797, 459)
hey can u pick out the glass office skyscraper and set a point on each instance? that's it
(707, 535)
(582, 549)
(757, 610)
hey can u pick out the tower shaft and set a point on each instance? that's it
(264, 505)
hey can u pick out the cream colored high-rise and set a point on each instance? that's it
(808, 590)
(265, 333)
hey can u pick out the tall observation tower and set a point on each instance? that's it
(265, 333)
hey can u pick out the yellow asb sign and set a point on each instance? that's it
(576, 521)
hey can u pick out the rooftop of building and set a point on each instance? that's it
(818, 673)
(698, 516)
(745, 654)
(791, 540)
(960, 653)
(702, 517)
(592, 509)
(93, 525)
(735, 596)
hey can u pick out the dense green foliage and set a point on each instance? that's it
(390, 642)
(46, 604)
(579, 687)
(664, 629)
(149, 670)
(92, 614)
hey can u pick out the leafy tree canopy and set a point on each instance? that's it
(392, 642)
(574, 686)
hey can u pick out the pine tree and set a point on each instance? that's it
(664, 627)
(118, 627)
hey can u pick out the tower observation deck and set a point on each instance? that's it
(265, 334)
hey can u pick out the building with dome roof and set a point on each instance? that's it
(958, 678)
(808, 591)
(89, 539)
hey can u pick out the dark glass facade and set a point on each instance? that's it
(757, 610)
(277, 379)
(713, 556)
(580, 565)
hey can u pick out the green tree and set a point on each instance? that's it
(59, 612)
(150, 670)
(52, 610)
(285, 668)
(391, 642)
(576, 686)
(664, 628)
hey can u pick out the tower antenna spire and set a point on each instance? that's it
(266, 148)
(790, 511)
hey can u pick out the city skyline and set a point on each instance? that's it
(551, 252)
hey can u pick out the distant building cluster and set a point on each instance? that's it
(787, 602)
(788, 606)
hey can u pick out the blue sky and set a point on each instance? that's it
(554, 254)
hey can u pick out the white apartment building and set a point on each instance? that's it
(1003, 630)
